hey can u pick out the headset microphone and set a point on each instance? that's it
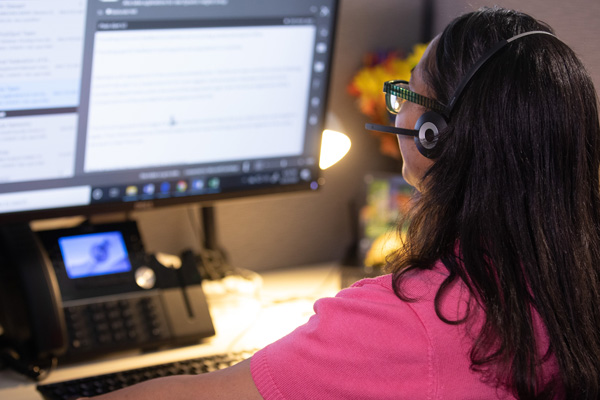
(391, 129)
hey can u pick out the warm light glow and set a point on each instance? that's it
(334, 146)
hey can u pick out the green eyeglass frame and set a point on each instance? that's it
(397, 92)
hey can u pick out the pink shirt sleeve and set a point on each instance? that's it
(350, 350)
(366, 343)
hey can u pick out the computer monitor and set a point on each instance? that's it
(117, 105)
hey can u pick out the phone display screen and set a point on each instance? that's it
(94, 254)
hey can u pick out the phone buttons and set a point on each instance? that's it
(137, 321)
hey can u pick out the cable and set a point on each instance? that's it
(38, 370)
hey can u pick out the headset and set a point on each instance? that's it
(431, 123)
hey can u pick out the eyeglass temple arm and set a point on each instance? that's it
(391, 129)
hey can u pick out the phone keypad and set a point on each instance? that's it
(127, 323)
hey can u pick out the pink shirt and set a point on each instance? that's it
(366, 343)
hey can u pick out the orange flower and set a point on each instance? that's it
(367, 86)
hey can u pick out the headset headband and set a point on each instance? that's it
(481, 62)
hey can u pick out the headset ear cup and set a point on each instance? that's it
(429, 125)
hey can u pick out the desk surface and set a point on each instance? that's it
(245, 317)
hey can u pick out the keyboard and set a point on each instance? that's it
(100, 384)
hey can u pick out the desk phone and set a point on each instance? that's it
(90, 290)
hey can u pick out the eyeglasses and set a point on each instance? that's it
(397, 93)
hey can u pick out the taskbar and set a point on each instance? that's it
(200, 185)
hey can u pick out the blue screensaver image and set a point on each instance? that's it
(94, 254)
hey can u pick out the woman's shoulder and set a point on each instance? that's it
(419, 284)
(416, 297)
(367, 340)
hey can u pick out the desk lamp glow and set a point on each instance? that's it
(334, 146)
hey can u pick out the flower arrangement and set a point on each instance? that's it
(367, 86)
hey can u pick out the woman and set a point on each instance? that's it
(496, 293)
(510, 205)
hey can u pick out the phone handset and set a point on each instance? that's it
(33, 338)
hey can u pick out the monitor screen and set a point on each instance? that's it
(109, 105)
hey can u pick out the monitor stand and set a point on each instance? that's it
(211, 259)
